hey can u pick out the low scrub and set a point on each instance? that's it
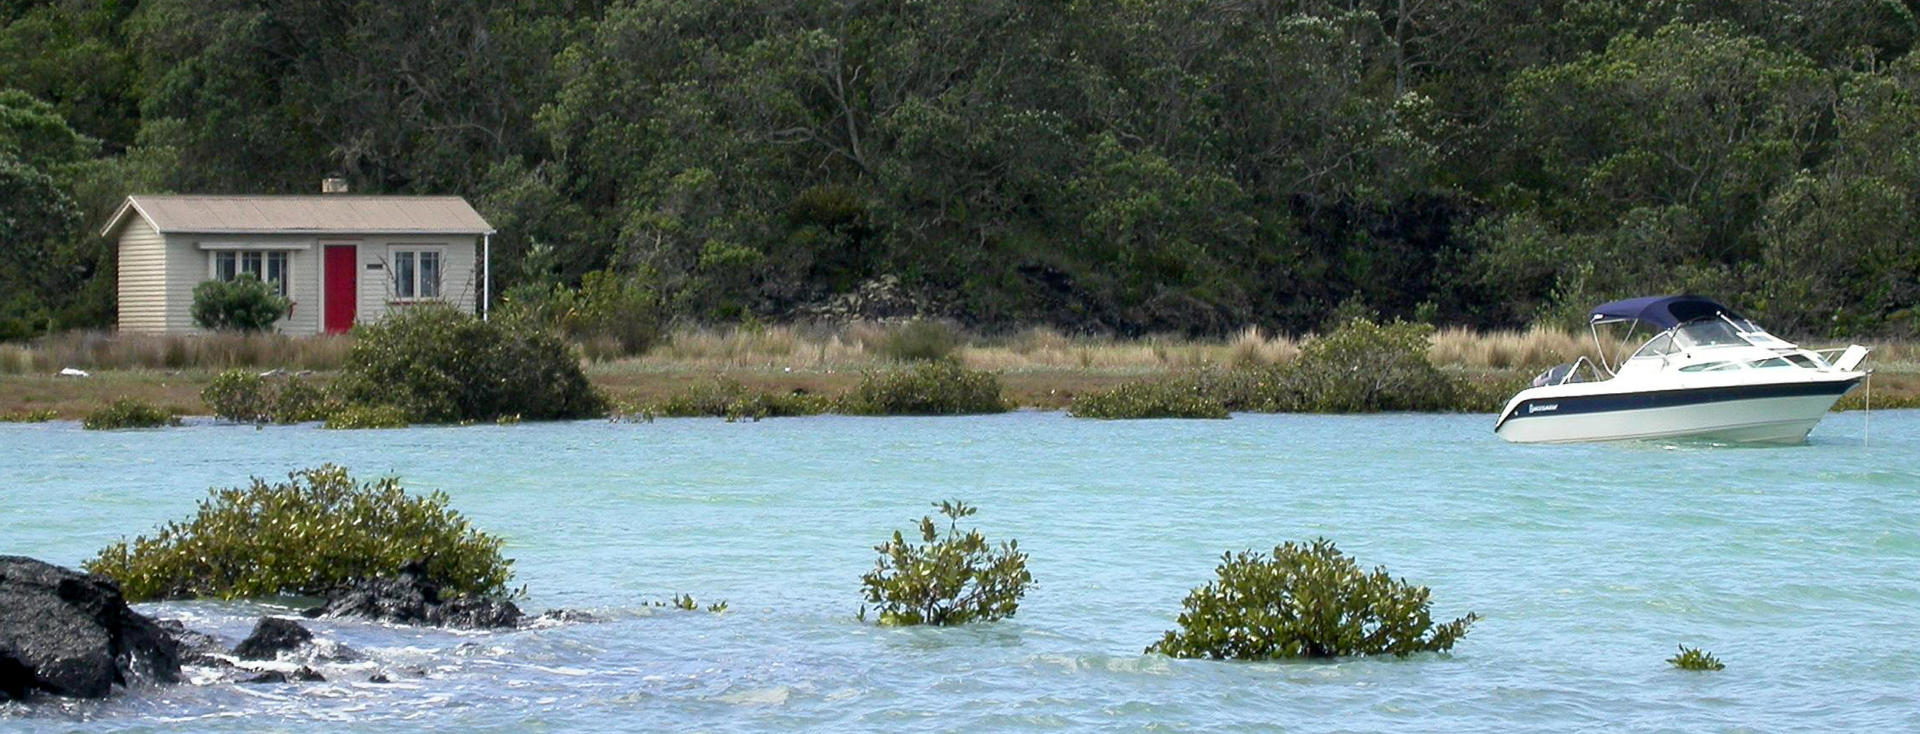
(438, 365)
(242, 304)
(129, 413)
(247, 397)
(1693, 658)
(948, 579)
(311, 533)
(1305, 601)
(731, 400)
(930, 388)
(28, 416)
(1172, 398)
(1364, 367)
(351, 417)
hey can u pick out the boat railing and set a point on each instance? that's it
(1565, 373)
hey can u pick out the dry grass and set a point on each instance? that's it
(93, 350)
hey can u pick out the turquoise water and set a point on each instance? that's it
(1799, 567)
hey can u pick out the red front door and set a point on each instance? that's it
(341, 295)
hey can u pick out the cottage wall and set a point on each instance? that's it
(142, 278)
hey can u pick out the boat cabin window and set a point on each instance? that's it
(1708, 333)
(1711, 367)
(1770, 362)
(1659, 346)
(1801, 359)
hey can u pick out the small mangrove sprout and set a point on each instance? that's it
(1693, 658)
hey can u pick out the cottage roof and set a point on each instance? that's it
(326, 214)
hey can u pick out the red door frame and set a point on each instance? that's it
(339, 295)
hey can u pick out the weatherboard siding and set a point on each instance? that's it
(142, 287)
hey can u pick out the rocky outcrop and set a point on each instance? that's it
(272, 636)
(411, 598)
(72, 634)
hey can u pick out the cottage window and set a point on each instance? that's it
(270, 266)
(416, 274)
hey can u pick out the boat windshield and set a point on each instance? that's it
(1708, 333)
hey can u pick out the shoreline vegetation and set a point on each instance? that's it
(767, 371)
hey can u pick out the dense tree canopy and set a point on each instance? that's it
(1136, 166)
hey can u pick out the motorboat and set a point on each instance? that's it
(1707, 373)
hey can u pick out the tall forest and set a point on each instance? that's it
(1114, 166)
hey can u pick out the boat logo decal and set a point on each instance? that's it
(1543, 408)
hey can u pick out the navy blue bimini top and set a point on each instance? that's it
(1664, 312)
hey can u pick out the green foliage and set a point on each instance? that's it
(352, 417)
(129, 413)
(438, 365)
(1305, 601)
(948, 579)
(611, 315)
(304, 536)
(241, 304)
(1110, 167)
(1170, 398)
(920, 340)
(1693, 658)
(731, 400)
(29, 416)
(1366, 367)
(246, 397)
(928, 388)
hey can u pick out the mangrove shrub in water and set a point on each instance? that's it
(129, 413)
(439, 365)
(1170, 398)
(1366, 367)
(948, 579)
(306, 535)
(246, 397)
(1306, 601)
(731, 400)
(940, 387)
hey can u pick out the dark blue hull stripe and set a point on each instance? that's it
(1612, 402)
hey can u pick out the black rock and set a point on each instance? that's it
(190, 642)
(567, 616)
(271, 676)
(72, 634)
(379, 678)
(303, 673)
(272, 636)
(411, 598)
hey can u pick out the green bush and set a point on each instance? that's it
(952, 579)
(241, 304)
(930, 388)
(246, 397)
(731, 400)
(610, 313)
(920, 340)
(129, 413)
(1173, 398)
(350, 417)
(1693, 658)
(438, 365)
(1365, 367)
(317, 530)
(29, 416)
(1306, 601)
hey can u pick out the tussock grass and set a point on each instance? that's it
(95, 350)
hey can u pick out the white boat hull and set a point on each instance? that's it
(1781, 413)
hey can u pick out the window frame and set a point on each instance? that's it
(283, 284)
(413, 252)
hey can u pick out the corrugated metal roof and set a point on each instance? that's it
(328, 214)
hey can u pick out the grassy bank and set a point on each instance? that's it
(1038, 368)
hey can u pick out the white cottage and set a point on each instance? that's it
(340, 259)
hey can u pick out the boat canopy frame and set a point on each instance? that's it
(1664, 312)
